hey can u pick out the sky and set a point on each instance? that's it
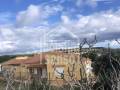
(28, 26)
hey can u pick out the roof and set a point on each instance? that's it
(36, 59)
(16, 61)
(40, 58)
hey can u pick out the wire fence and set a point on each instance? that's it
(106, 69)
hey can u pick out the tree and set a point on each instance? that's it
(107, 70)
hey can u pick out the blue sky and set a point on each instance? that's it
(33, 25)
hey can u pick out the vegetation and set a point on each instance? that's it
(6, 58)
(106, 67)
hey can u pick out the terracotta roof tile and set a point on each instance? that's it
(36, 59)
(15, 61)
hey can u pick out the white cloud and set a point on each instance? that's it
(30, 16)
(108, 43)
(7, 40)
(105, 25)
(36, 14)
(18, 40)
(6, 46)
(65, 19)
(91, 3)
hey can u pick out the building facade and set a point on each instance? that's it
(56, 67)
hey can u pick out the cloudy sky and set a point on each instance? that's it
(36, 25)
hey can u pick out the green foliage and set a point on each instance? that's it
(107, 69)
(92, 55)
(6, 58)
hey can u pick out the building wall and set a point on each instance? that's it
(69, 62)
(20, 72)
